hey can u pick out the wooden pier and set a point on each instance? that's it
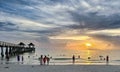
(9, 49)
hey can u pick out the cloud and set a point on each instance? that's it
(60, 12)
(43, 39)
(92, 21)
(36, 18)
(112, 40)
(7, 26)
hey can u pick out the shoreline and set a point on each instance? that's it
(58, 63)
(59, 68)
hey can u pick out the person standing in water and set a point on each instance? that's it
(44, 59)
(107, 59)
(73, 58)
(41, 60)
(22, 58)
(48, 60)
(18, 58)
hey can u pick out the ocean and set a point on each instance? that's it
(64, 57)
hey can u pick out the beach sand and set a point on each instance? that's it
(59, 68)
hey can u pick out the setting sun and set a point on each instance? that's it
(88, 44)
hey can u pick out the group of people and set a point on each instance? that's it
(73, 59)
(20, 58)
(44, 60)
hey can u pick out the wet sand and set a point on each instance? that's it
(59, 68)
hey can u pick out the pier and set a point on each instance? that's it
(10, 49)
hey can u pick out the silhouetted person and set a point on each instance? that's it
(48, 60)
(28, 56)
(18, 58)
(22, 58)
(104, 59)
(51, 57)
(41, 60)
(73, 58)
(79, 56)
(7, 57)
(107, 59)
(89, 58)
(44, 60)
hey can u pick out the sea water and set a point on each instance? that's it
(64, 57)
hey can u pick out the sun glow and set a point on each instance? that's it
(92, 44)
(71, 37)
(88, 44)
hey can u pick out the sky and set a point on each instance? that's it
(58, 24)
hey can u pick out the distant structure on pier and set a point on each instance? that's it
(15, 49)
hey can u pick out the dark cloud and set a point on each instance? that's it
(6, 26)
(47, 32)
(94, 22)
(115, 40)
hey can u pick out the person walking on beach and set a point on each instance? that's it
(44, 60)
(22, 58)
(73, 58)
(79, 56)
(18, 58)
(41, 60)
(7, 57)
(107, 59)
(48, 60)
